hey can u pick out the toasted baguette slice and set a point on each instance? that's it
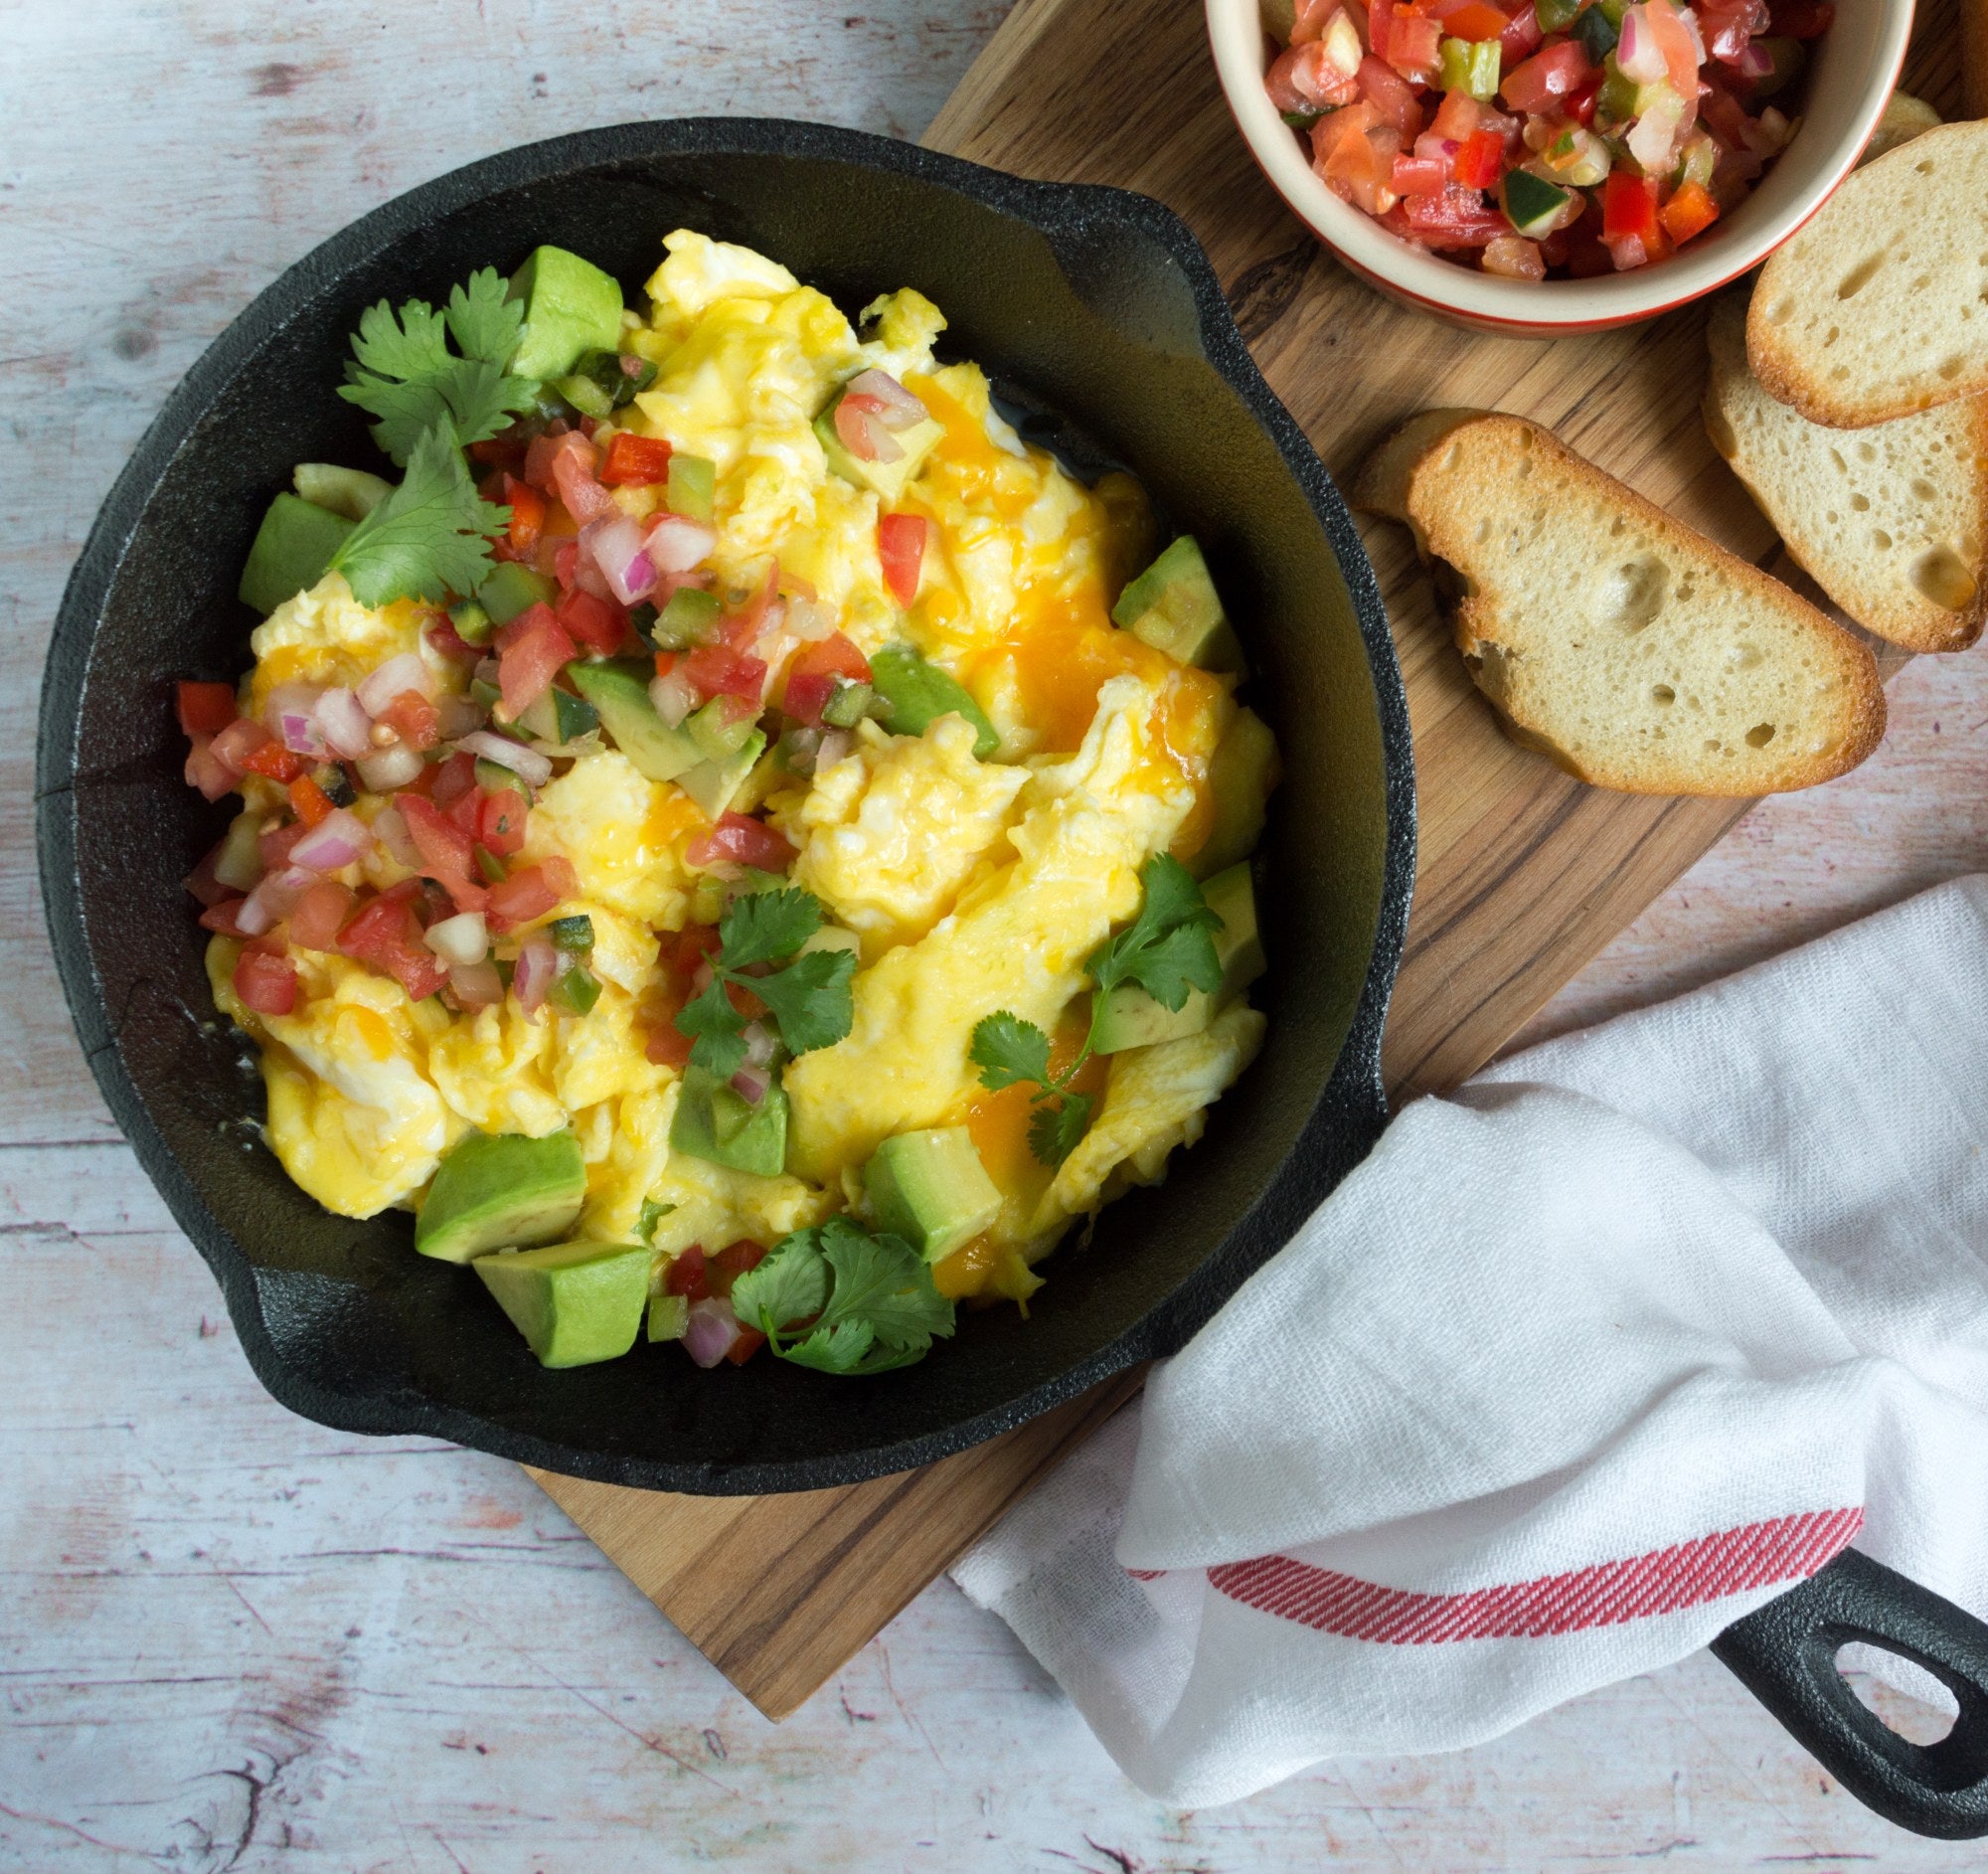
(1873, 310)
(1891, 521)
(1633, 651)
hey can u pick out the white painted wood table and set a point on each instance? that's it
(230, 1640)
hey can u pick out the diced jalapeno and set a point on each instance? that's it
(574, 934)
(689, 619)
(574, 990)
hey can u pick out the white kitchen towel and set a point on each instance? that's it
(1585, 1362)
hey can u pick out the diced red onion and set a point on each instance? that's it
(759, 1040)
(712, 1332)
(676, 544)
(904, 410)
(347, 726)
(274, 899)
(1637, 54)
(673, 698)
(834, 746)
(532, 977)
(395, 677)
(1653, 136)
(290, 714)
(750, 1083)
(615, 544)
(459, 941)
(339, 839)
(476, 986)
(392, 832)
(458, 715)
(388, 769)
(530, 766)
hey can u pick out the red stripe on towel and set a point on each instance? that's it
(1730, 1561)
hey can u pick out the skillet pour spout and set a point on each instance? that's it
(1107, 336)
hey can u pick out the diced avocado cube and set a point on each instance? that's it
(472, 623)
(1128, 1017)
(714, 1120)
(619, 691)
(1174, 607)
(512, 588)
(293, 549)
(692, 488)
(713, 785)
(570, 307)
(561, 717)
(574, 1303)
(348, 491)
(1241, 776)
(916, 693)
(887, 480)
(496, 1190)
(931, 1188)
(717, 731)
(1531, 202)
(669, 1317)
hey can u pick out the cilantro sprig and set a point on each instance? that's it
(809, 1000)
(404, 376)
(837, 1299)
(429, 537)
(1167, 951)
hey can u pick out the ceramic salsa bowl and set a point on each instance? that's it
(1852, 70)
(1092, 304)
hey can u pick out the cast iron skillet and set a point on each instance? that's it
(1095, 311)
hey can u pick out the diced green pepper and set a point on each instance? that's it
(584, 394)
(1532, 204)
(574, 990)
(1470, 66)
(493, 872)
(692, 486)
(847, 705)
(574, 934)
(512, 588)
(472, 623)
(691, 617)
(1556, 14)
(1597, 34)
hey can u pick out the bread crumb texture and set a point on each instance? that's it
(1635, 652)
(1879, 307)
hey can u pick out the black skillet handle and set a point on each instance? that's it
(1784, 1653)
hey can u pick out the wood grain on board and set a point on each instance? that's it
(1523, 873)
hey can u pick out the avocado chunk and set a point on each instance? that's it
(713, 785)
(293, 549)
(717, 731)
(1128, 1017)
(570, 307)
(559, 716)
(348, 491)
(619, 691)
(1240, 776)
(496, 1190)
(512, 589)
(931, 1189)
(574, 1303)
(916, 693)
(1174, 607)
(669, 1317)
(715, 1121)
(887, 480)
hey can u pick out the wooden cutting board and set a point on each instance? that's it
(1523, 874)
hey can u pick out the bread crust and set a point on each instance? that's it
(1455, 478)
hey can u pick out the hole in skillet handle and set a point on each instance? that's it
(1784, 1653)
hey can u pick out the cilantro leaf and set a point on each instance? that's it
(483, 320)
(1056, 1130)
(716, 1027)
(653, 1213)
(1008, 1051)
(810, 998)
(881, 1311)
(430, 537)
(762, 927)
(852, 1348)
(885, 1282)
(787, 1287)
(1169, 940)
(415, 345)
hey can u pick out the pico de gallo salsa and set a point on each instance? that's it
(1558, 138)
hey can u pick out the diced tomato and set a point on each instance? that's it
(901, 546)
(1310, 19)
(1392, 96)
(1628, 206)
(206, 708)
(526, 894)
(833, 655)
(1550, 75)
(275, 847)
(1314, 80)
(1457, 217)
(1579, 104)
(308, 802)
(1459, 117)
(212, 776)
(1689, 212)
(1419, 175)
(572, 476)
(454, 777)
(446, 639)
(413, 719)
(386, 936)
(1521, 38)
(235, 744)
(221, 917)
(549, 444)
(1480, 161)
(718, 670)
(686, 1275)
(806, 696)
(1414, 43)
(501, 822)
(748, 1342)
(1346, 159)
(668, 1045)
(276, 761)
(1802, 19)
(466, 811)
(740, 838)
(566, 561)
(598, 623)
(320, 914)
(533, 649)
(448, 853)
(267, 984)
(1674, 40)
(1471, 19)
(528, 517)
(1380, 27)
(635, 461)
(695, 943)
(732, 1261)
(205, 883)
(855, 415)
